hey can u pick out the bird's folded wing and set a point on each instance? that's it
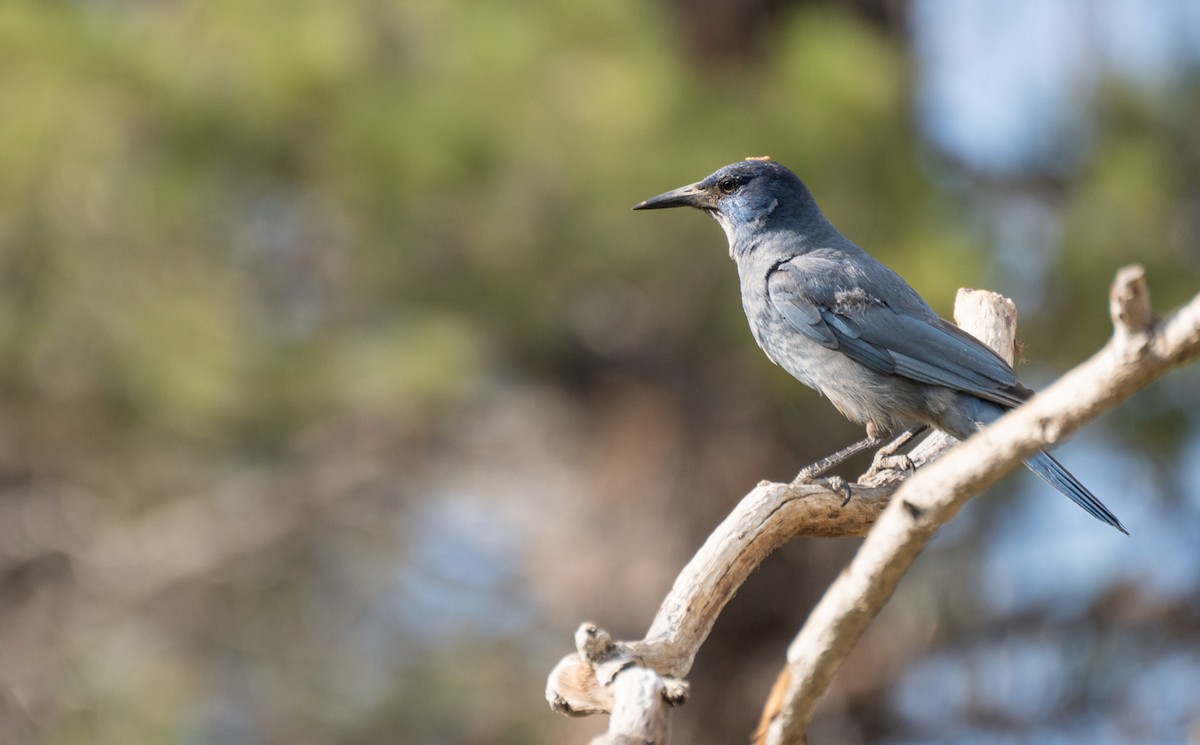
(923, 347)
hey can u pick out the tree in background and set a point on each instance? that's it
(338, 380)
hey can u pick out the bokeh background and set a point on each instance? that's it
(338, 383)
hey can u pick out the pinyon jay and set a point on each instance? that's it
(844, 324)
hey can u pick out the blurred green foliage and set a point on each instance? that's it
(223, 221)
(230, 217)
(239, 215)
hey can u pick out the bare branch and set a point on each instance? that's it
(641, 715)
(774, 513)
(768, 517)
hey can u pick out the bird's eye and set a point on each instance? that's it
(727, 184)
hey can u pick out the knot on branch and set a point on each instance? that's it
(1050, 429)
(584, 683)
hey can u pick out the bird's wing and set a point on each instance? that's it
(819, 302)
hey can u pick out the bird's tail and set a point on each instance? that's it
(1052, 472)
(972, 413)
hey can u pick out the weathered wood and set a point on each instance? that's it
(1140, 350)
(772, 514)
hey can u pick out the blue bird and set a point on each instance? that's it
(849, 327)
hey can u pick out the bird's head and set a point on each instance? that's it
(743, 196)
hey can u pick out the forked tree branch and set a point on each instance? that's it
(1140, 350)
(772, 514)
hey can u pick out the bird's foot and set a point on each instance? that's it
(838, 484)
(899, 462)
(888, 457)
(887, 462)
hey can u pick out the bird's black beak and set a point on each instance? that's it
(692, 195)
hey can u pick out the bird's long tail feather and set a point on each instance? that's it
(1052, 472)
(974, 413)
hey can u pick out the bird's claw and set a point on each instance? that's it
(837, 484)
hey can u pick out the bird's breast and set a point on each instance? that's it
(862, 395)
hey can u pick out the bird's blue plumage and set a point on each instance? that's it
(849, 327)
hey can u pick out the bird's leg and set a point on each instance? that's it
(816, 469)
(886, 457)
